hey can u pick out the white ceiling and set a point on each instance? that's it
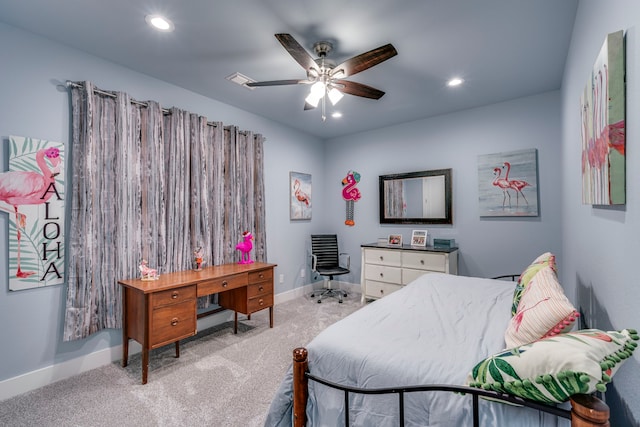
(504, 49)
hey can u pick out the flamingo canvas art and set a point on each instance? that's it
(300, 196)
(32, 193)
(508, 183)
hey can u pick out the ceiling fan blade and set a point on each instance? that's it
(278, 83)
(298, 53)
(363, 61)
(358, 89)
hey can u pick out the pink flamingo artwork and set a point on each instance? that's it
(245, 247)
(502, 184)
(300, 195)
(351, 194)
(516, 184)
(19, 188)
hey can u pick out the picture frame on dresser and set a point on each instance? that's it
(419, 238)
(394, 240)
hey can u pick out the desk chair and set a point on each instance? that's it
(325, 261)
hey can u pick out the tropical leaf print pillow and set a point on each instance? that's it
(543, 310)
(544, 260)
(553, 369)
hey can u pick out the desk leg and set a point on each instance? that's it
(235, 322)
(271, 317)
(125, 332)
(177, 349)
(145, 364)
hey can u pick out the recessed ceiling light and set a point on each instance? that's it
(456, 81)
(159, 22)
(336, 114)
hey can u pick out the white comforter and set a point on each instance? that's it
(433, 331)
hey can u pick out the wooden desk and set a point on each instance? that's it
(160, 312)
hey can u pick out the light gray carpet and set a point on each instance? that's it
(220, 379)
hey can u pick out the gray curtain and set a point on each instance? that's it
(152, 184)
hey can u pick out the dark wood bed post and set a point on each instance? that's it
(586, 410)
(300, 387)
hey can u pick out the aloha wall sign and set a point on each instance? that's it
(32, 193)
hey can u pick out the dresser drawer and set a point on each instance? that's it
(258, 303)
(425, 261)
(173, 296)
(382, 257)
(172, 323)
(261, 276)
(258, 289)
(224, 284)
(380, 289)
(409, 275)
(383, 273)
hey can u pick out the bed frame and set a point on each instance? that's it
(586, 410)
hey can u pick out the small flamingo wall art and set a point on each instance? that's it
(300, 196)
(32, 192)
(351, 194)
(507, 183)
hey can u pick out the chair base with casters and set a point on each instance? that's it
(325, 261)
(328, 291)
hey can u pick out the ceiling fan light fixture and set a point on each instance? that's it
(335, 96)
(313, 99)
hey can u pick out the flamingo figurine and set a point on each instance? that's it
(245, 247)
(516, 184)
(503, 184)
(29, 188)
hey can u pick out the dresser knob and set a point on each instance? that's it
(175, 294)
(422, 261)
(381, 291)
(224, 284)
(261, 288)
(261, 301)
(381, 258)
(261, 276)
(174, 321)
(381, 275)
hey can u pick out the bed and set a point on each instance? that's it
(431, 332)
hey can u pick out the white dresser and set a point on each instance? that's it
(386, 269)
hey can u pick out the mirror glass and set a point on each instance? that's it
(416, 197)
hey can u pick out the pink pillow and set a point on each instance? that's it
(543, 310)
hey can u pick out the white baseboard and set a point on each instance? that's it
(41, 377)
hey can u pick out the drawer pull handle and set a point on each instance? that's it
(261, 276)
(381, 275)
(381, 258)
(261, 301)
(224, 284)
(422, 261)
(382, 291)
(261, 288)
(174, 321)
(175, 294)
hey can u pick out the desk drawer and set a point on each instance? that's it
(258, 289)
(261, 276)
(173, 296)
(172, 323)
(224, 284)
(258, 303)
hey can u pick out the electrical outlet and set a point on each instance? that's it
(302, 273)
(282, 278)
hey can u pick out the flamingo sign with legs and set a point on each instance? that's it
(32, 193)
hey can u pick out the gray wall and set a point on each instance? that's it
(601, 245)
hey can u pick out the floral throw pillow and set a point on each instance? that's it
(543, 310)
(553, 369)
(544, 260)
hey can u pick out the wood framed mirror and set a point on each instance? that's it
(416, 197)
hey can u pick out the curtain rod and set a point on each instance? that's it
(133, 101)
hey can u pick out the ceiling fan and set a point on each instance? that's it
(325, 77)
